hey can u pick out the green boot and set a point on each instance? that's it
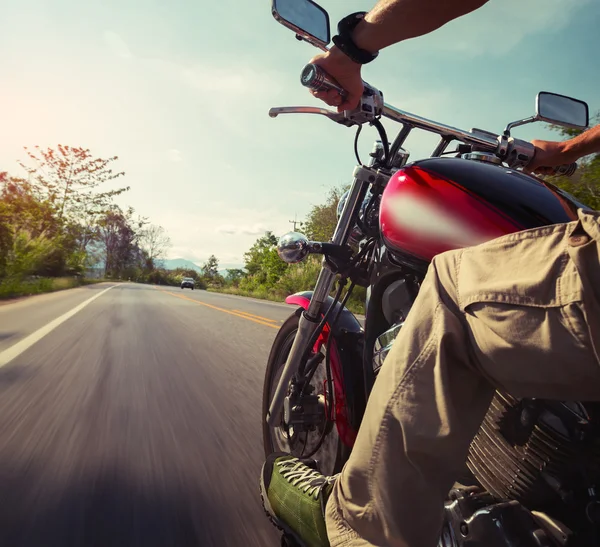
(294, 496)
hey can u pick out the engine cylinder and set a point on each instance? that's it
(525, 452)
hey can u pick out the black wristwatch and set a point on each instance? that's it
(343, 40)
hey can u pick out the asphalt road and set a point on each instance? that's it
(135, 421)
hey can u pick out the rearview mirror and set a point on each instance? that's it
(561, 110)
(306, 18)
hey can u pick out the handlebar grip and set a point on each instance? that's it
(565, 170)
(315, 78)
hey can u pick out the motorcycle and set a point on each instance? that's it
(532, 469)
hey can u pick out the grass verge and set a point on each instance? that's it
(12, 288)
(354, 305)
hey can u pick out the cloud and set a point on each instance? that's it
(225, 231)
(235, 95)
(174, 155)
(249, 230)
(200, 256)
(117, 45)
(231, 81)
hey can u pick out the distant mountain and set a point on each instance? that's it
(174, 263)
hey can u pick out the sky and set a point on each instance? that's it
(180, 91)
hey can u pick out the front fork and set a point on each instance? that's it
(363, 177)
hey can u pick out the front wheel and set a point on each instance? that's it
(299, 442)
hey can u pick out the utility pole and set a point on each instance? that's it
(294, 222)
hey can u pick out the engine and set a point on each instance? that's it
(475, 518)
(543, 454)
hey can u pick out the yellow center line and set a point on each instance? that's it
(230, 312)
(256, 316)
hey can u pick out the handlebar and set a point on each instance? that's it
(315, 78)
(565, 170)
(471, 137)
(522, 152)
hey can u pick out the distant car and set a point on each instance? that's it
(187, 282)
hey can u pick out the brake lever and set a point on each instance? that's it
(334, 116)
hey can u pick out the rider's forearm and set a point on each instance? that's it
(392, 21)
(584, 144)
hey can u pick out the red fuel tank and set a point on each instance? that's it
(440, 204)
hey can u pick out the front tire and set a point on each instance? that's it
(277, 439)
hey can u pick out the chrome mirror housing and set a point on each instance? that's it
(293, 247)
(556, 109)
(561, 110)
(306, 18)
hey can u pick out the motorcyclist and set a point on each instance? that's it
(520, 313)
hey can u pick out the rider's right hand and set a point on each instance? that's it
(548, 155)
(346, 72)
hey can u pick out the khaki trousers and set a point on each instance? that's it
(520, 313)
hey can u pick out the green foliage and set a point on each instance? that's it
(255, 256)
(234, 276)
(322, 219)
(33, 240)
(263, 265)
(69, 177)
(117, 233)
(27, 254)
(173, 277)
(210, 272)
(11, 288)
(61, 221)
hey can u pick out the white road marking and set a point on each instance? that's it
(15, 350)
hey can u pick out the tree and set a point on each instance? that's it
(263, 264)
(118, 235)
(234, 276)
(322, 219)
(69, 179)
(210, 269)
(33, 240)
(155, 242)
(255, 256)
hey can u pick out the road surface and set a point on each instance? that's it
(133, 419)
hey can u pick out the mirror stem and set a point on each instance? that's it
(511, 125)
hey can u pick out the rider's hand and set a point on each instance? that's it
(549, 154)
(346, 72)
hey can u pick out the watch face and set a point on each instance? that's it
(308, 75)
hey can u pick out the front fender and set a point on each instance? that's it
(346, 366)
(346, 322)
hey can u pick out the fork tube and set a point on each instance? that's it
(311, 317)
